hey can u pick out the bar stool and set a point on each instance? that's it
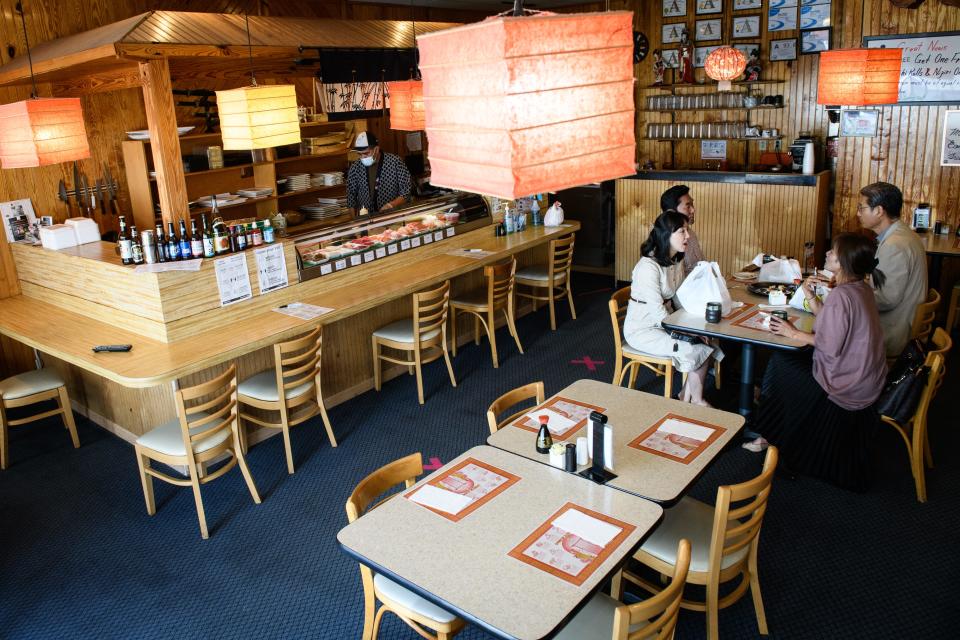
(484, 304)
(554, 277)
(426, 330)
(29, 388)
(200, 433)
(296, 371)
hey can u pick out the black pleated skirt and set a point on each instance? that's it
(815, 437)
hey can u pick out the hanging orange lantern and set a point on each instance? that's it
(522, 105)
(724, 65)
(42, 131)
(406, 105)
(859, 76)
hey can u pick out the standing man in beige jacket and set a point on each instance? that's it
(901, 258)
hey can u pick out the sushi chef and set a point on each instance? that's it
(378, 181)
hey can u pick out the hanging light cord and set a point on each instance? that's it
(413, 39)
(253, 77)
(23, 21)
(517, 8)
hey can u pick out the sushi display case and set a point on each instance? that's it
(381, 236)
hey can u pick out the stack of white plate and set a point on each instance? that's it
(255, 192)
(327, 179)
(325, 208)
(297, 181)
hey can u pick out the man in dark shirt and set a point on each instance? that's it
(379, 181)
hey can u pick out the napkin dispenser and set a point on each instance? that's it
(85, 229)
(57, 236)
(602, 446)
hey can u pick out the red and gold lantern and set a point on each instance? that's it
(859, 76)
(725, 65)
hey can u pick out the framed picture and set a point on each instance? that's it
(950, 151)
(707, 7)
(674, 8)
(746, 48)
(17, 216)
(742, 5)
(713, 149)
(783, 49)
(861, 124)
(815, 40)
(671, 58)
(783, 3)
(746, 26)
(700, 54)
(670, 33)
(709, 30)
(782, 19)
(815, 16)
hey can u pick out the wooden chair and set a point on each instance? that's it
(953, 308)
(532, 391)
(426, 330)
(924, 316)
(484, 304)
(205, 429)
(554, 277)
(426, 618)
(296, 371)
(724, 542)
(29, 388)
(655, 617)
(914, 432)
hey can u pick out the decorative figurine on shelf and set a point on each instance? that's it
(752, 72)
(686, 57)
(659, 67)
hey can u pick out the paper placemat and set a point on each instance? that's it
(566, 417)
(744, 307)
(461, 490)
(756, 320)
(476, 254)
(302, 310)
(677, 438)
(572, 543)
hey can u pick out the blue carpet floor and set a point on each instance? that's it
(80, 558)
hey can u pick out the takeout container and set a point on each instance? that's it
(85, 229)
(57, 236)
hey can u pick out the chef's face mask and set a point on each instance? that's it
(368, 161)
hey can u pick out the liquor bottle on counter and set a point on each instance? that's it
(241, 236)
(232, 235)
(256, 236)
(208, 249)
(185, 251)
(221, 238)
(161, 244)
(136, 249)
(269, 236)
(125, 243)
(173, 243)
(196, 241)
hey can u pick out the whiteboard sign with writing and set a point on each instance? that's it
(931, 65)
(950, 154)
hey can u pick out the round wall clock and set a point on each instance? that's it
(640, 47)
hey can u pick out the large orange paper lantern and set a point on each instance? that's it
(522, 105)
(859, 76)
(406, 105)
(724, 65)
(42, 131)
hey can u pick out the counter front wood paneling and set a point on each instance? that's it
(736, 219)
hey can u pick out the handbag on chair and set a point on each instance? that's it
(905, 383)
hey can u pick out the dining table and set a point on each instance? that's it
(743, 325)
(659, 446)
(938, 247)
(506, 543)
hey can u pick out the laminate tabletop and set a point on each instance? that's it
(522, 562)
(657, 450)
(944, 244)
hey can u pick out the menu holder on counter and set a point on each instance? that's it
(461, 490)
(677, 438)
(572, 543)
(566, 417)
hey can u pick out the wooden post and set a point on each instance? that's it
(164, 142)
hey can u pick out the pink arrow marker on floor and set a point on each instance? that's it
(588, 362)
(435, 463)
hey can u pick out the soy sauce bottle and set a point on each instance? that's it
(544, 439)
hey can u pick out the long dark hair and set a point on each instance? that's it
(857, 257)
(657, 245)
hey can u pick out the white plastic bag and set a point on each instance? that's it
(704, 284)
(799, 300)
(554, 216)
(783, 271)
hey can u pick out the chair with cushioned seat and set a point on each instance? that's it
(532, 391)
(202, 432)
(29, 388)
(484, 304)
(654, 618)
(426, 331)
(924, 316)
(420, 614)
(297, 371)
(723, 539)
(554, 277)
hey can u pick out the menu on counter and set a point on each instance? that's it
(160, 267)
(566, 417)
(233, 280)
(461, 490)
(271, 268)
(572, 543)
(302, 310)
(677, 438)
(476, 254)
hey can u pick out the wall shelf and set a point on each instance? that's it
(710, 109)
(708, 85)
(750, 139)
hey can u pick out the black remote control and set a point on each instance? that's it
(113, 347)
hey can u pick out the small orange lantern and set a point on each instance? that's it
(724, 65)
(522, 105)
(406, 105)
(859, 76)
(42, 131)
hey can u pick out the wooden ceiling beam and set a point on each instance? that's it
(121, 78)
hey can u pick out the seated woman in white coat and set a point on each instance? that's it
(655, 281)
